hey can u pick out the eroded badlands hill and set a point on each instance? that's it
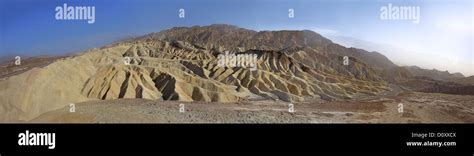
(182, 64)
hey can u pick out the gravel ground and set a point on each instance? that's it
(417, 108)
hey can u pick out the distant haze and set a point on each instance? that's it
(403, 57)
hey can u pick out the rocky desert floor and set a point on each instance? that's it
(417, 108)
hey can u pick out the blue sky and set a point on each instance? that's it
(444, 34)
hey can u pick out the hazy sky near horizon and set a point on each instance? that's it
(442, 39)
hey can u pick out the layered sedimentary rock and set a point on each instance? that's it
(183, 71)
(183, 64)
